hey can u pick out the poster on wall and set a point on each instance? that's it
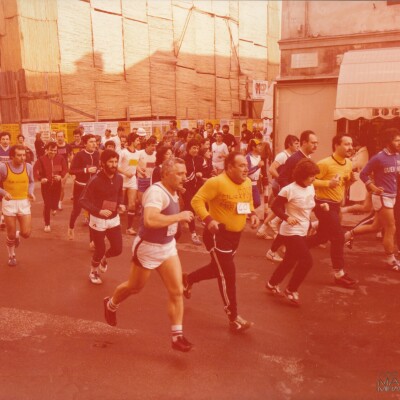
(30, 131)
(60, 127)
(88, 127)
(71, 126)
(159, 129)
(100, 128)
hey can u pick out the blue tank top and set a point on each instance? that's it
(161, 235)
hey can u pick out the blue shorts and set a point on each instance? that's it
(143, 184)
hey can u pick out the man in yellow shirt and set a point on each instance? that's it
(223, 203)
(18, 185)
(330, 186)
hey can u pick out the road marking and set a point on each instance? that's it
(18, 324)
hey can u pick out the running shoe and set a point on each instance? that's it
(131, 231)
(95, 278)
(12, 261)
(395, 264)
(181, 344)
(293, 297)
(110, 316)
(187, 288)
(239, 324)
(273, 256)
(346, 281)
(103, 265)
(273, 289)
(195, 239)
(71, 234)
(47, 228)
(262, 231)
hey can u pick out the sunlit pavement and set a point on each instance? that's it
(56, 345)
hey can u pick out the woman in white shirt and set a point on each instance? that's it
(293, 205)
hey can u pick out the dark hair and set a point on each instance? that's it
(121, 128)
(16, 147)
(230, 159)
(305, 136)
(5, 134)
(290, 139)
(251, 145)
(98, 138)
(337, 139)
(225, 126)
(86, 138)
(77, 131)
(191, 143)
(151, 140)
(203, 151)
(173, 122)
(389, 134)
(110, 143)
(23, 137)
(304, 169)
(132, 137)
(161, 154)
(49, 145)
(107, 154)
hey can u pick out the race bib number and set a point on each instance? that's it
(172, 229)
(243, 208)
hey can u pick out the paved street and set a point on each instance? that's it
(55, 344)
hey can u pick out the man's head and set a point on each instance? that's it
(225, 129)
(292, 143)
(18, 154)
(193, 147)
(89, 141)
(109, 161)
(77, 135)
(51, 149)
(172, 124)
(308, 142)
(219, 137)
(20, 139)
(109, 145)
(150, 145)
(5, 138)
(236, 167)
(391, 139)
(173, 173)
(120, 131)
(342, 145)
(209, 128)
(60, 138)
(244, 127)
(133, 139)
(107, 133)
(124, 141)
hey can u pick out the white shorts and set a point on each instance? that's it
(152, 255)
(378, 202)
(130, 183)
(101, 225)
(12, 208)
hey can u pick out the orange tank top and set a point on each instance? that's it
(17, 184)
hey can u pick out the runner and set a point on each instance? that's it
(223, 203)
(18, 186)
(64, 150)
(5, 138)
(50, 170)
(147, 162)
(103, 198)
(330, 185)
(128, 162)
(155, 248)
(84, 165)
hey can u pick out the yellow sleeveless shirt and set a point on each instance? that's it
(17, 184)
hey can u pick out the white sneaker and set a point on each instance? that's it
(60, 205)
(95, 278)
(195, 239)
(274, 257)
(47, 228)
(262, 231)
(103, 265)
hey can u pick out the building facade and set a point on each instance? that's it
(71, 60)
(340, 66)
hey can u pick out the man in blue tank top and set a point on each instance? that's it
(155, 248)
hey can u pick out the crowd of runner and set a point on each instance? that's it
(160, 186)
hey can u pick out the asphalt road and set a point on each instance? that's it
(54, 343)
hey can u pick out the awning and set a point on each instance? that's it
(369, 84)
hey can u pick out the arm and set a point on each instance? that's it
(273, 169)
(86, 198)
(278, 207)
(3, 175)
(319, 181)
(153, 218)
(205, 194)
(31, 187)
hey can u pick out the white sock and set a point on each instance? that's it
(339, 274)
(176, 330)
